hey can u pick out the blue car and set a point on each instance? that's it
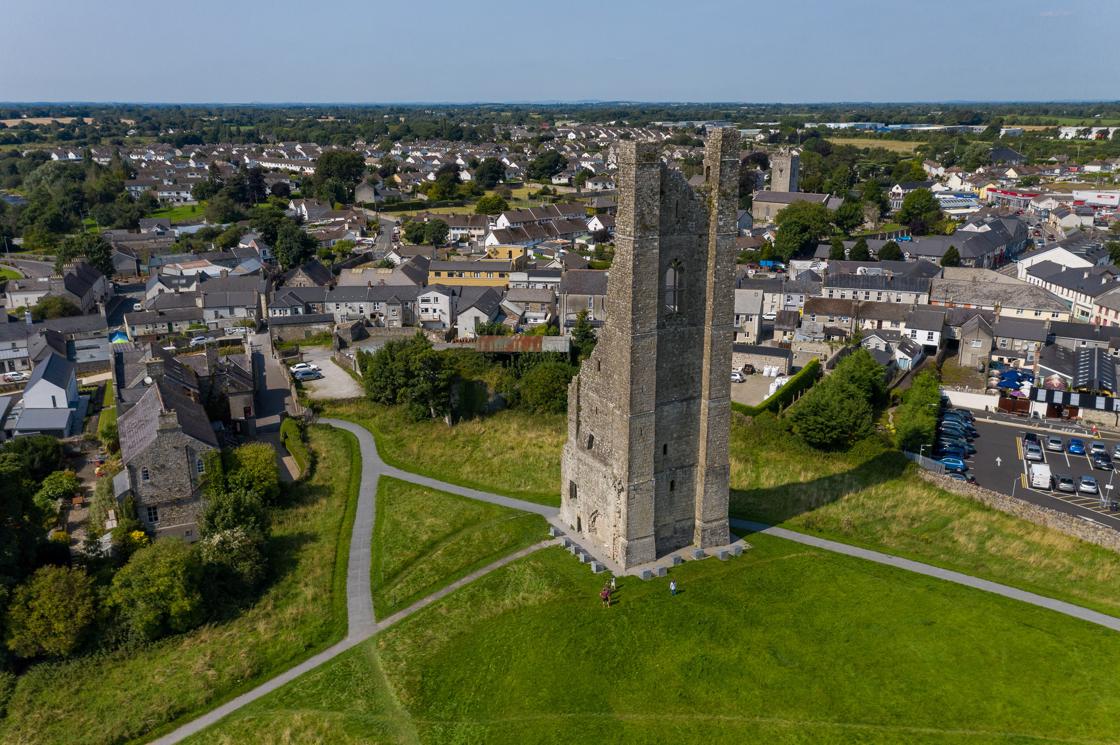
(1076, 446)
(954, 465)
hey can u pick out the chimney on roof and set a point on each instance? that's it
(27, 316)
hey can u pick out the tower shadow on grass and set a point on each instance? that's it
(781, 502)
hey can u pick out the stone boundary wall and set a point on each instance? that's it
(1047, 518)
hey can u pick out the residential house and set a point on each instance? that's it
(533, 305)
(477, 306)
(925, 325)
(1018, 339)
(766, 205)
(1008, 297)
(582, 290)
(1079, 287)
(878, 287)
(165, 438)
(975, 343)
(309, 274)
(50, 403)
(748, 315)
(391, 306)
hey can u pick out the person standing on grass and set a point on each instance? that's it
(605, 596)
(672, 587)
(614, 586)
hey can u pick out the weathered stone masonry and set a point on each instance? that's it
(645, 468)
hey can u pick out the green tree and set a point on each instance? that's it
(409, 372)
(872, 193)
(253, 467)
(860, 250)
(1113, 248)
(832, 415)
(235, 507)
(920, 211)
(544, 388)
(54, 306)
(221, 209)
(952, 257)
(413, 232)
(57, 486)
(51, 613)
(490, 173)
(848, 216)
(801, 226)
(860, 369)
(583, 335)
(435, 232)
(234, 565)
(158, 591)
(346, 167)
(890, 251)
(293, 245)
(546, 165)
(836, 249)
(491, 204)
(92, 246)
(229, 237)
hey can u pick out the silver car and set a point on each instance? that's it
(1055, 444)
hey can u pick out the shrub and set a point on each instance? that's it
(253, 467)
(291, 435)
(544, 388)
(834, 414)
(158, 591)
(233, 565)
(51, 612)
(55, 487)
(915, 419)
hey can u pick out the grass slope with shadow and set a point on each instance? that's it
(786, 644)
(426, 539)
(129, 694)
(873, 497)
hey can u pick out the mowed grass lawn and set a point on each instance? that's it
(182, 212)
(873, 497)
(126, 695)
(513, 453)
(786, 644)
(425, 539)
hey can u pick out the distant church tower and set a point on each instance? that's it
(784, 167)
(645, 468)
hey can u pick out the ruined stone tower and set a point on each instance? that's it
(645, 468)
(784, 168)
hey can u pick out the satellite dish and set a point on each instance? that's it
(147, 380)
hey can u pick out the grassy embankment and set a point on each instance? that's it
(129, 694)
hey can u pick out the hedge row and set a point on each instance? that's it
(291, 434)
(787, 394)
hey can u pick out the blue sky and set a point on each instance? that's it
(498, 50)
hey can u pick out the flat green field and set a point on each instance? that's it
(7, 273)
(783, 645)
(128, 694)
(181, 213)
(425, 539)
(512, 452)
(874, 498)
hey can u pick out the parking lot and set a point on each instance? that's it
(335, 383)
(999, 464)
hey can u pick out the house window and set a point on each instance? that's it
(929, 336)
(975, 343)
(674, 286)
(145, 475)
(200, 466)
(573, 491)
(153, 514)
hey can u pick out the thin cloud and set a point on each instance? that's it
(1055, 13)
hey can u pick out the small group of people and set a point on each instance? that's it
(605, 593)
(609, 588)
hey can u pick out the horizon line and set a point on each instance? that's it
(559, 102)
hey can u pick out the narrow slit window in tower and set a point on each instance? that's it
(674, 286)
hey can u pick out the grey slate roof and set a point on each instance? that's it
(583, 282)
(138, 426)
(53, 369)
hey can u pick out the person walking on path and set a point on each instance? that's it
(672, 587)
(605, 596)
(614, 586)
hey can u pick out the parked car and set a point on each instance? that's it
(1076, 446)
(1029, 437)
(956, 430)
(1032, 451)
(957, 442)
(1102, 462)
(1116, 451)
(747, 369)
(16, 377)
(949, 451)
(954, 465)
(303, 375)
(1088, 485)
(958, 476)
(1067, 484)
(198, 341)
(737, 377)
(1096, 446)
(303, 367)
(1055, 444)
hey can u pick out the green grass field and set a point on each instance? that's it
(512, 452)
(873, 497)
(783, 645)
(7, 273)
(181, 213)
(426, 539)
(126, 695)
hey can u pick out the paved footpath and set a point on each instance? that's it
(929, 570)
(361, 623)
